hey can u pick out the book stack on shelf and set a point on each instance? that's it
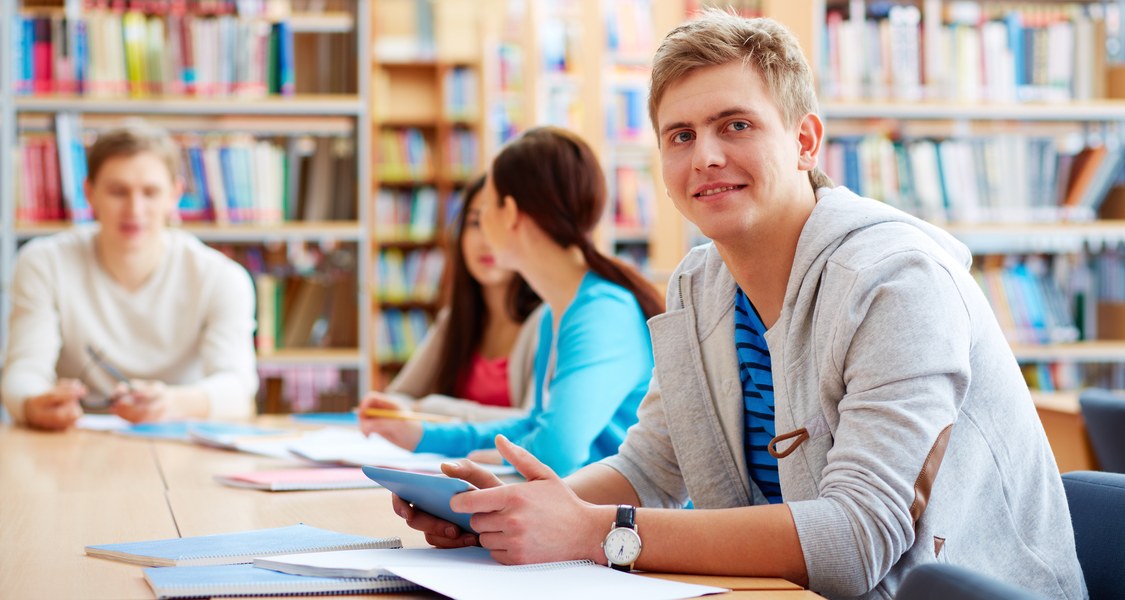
(991, 119)
(427, 120)
(273, 131)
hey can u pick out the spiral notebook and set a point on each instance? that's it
(238, 547)
(472, 574)
(245, 580)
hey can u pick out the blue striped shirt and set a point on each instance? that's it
(757, 394)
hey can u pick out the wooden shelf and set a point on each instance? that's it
(291, 125)
(246, 232)
(308, 104)
(1098, 351)
(1088, 111)
(1062, 402)
(430, 305)
(333, 357)
(1038, 237)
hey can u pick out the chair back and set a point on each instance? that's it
(1104, 414)
(1097, 510)
(942, 581)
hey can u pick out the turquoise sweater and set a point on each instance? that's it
(602, 366)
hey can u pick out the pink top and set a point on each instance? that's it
(487, 382)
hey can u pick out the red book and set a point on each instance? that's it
(41, 57)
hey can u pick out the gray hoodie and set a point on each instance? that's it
(912, 435)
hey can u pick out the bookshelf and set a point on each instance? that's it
(888, 110)
(584, 65)
(294, 109)
(427, 129)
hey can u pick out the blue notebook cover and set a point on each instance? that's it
(179, 430)
(430, 493)
(246, 580)
(327, 418)
(237, 547)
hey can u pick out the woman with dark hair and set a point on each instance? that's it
(543, 198)
(475, 362)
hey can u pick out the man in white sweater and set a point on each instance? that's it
(174, 317)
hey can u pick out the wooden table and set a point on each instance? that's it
(60, 492)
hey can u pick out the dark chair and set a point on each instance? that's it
(1104, 414)
(1097, 510)
(939, 581)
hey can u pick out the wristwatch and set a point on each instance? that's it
(623, 544)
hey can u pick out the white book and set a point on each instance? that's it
(471, 573)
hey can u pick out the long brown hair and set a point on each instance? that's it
(468, 314)
(557, 180)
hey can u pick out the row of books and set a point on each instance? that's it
(399, 332)
(229, 178)
(305, 388)
(406, 214)
(629, 28)
(129, 53)
(1069, 376)
(462, 93)
(306, 293)
(1029, 304)
(1111, 275)
(1003, 178)
(634, 196)
(627, 112)
(409, 276)
(404, 154)
(966, 51)
(462, 153)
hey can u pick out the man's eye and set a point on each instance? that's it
(740, 126)
(681, 137)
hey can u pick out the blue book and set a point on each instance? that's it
(326, 418)
(246, 580)
(238, 547)
(182, 430)
(430, 493)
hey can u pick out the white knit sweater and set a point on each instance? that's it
(191, 323)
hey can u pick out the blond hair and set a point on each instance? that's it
(717, 38)
(131, 139)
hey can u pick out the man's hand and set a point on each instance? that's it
(58, 409)
(542, 520)
(439, 532)
(144, 401)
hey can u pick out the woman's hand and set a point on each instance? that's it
(400, 431)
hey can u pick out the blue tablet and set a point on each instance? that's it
(430, 493)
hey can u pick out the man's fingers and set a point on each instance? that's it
(524, 462)
(471, 472)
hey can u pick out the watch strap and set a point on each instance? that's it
(626, 516)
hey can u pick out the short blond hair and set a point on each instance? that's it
(129, 140)
(718, 37)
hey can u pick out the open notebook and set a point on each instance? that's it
(472, 574)
(245, 580)
(238, 547)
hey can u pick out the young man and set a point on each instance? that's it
(831, 390)
(174, 317)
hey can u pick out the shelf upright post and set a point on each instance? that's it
(363, 157)
(7, 173)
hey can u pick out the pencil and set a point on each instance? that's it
(385, 413)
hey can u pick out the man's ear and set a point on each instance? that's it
(810, 132)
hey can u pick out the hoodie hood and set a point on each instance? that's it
(839, 215)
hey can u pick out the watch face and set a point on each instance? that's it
(622, 546)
